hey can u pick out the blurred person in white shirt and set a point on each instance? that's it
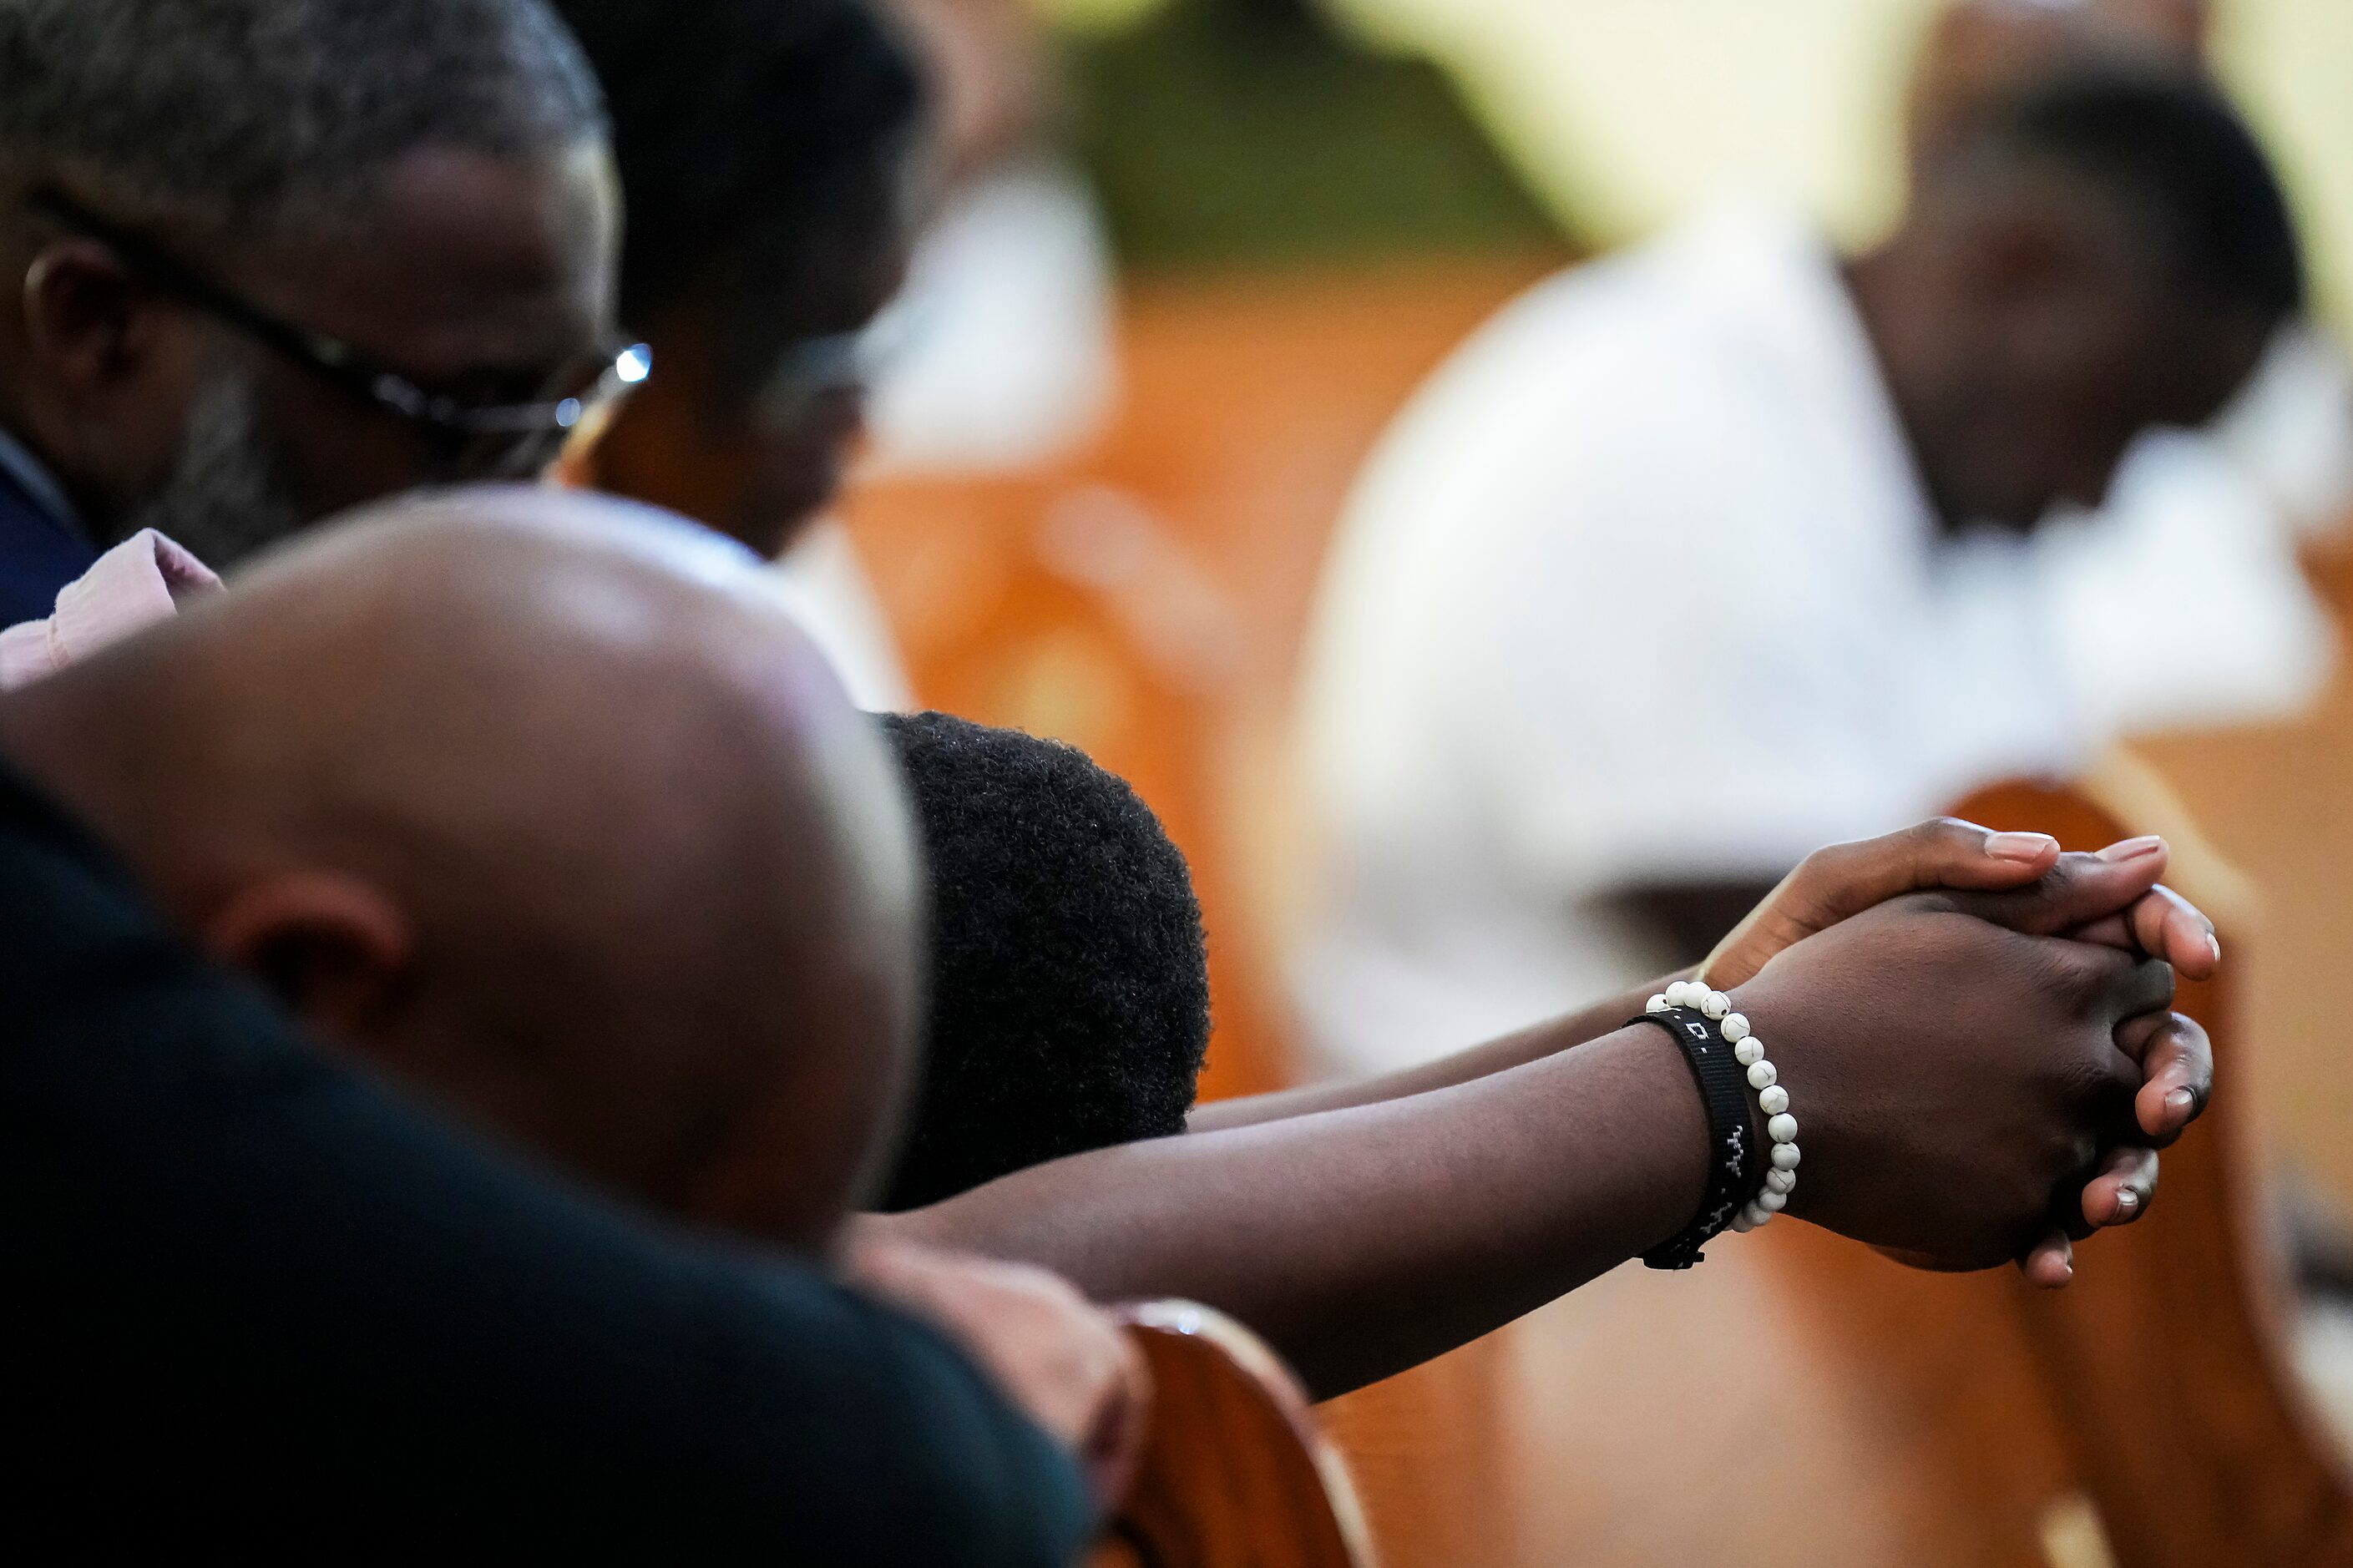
(1728, 546)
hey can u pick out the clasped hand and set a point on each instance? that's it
(2038, 1068)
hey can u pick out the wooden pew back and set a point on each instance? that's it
(2167, 1361)
(1235, 1471)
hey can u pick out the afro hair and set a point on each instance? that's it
(1070, 989)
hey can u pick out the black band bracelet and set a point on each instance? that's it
(1737, 1163)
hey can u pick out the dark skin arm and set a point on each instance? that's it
(1340, 1235)
(1836, 884)
(1833, 885)
(1362, 1239)
(1513, 1050)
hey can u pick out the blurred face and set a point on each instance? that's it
(755, 406)
(230, 392)
(2036, 338)
(485, 280)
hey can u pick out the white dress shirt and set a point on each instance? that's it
(1643, 588)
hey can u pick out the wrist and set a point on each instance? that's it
(1794, 1075)
(1749, 1144)
(1678, 1146)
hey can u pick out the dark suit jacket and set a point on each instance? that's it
(38, 554)
(262, 1302)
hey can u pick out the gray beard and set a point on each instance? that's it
(225, 499)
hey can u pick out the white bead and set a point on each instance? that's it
(1761, 1075)
(1783, 1128)
(1781, 1180)
(1757, 1216)
(1749, 1052)
(1685, 994)
(1772, 1202)
(1785, 1156)
(1774, 1098)
(1742, 1223)
(1716, 1004)
(1656, 1004)
(1735, 1026)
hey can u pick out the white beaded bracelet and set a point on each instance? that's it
(1772, 1097)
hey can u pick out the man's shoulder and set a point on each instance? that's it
(39, 552)
(1614, 356)
(1640, 309)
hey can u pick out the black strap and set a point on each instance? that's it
(1737, 1156)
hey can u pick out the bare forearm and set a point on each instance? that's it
(1464, 1066)
(1365, 1239)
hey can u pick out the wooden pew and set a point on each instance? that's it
(2168, 1362)
(2274, 796)
(1235, 1473)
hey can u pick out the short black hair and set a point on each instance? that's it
(1069, 1006)
(245, 116)
(2166, 143)
(764, 147)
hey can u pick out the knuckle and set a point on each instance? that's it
(2187, 1039)
(2076, 971)
(1831, 861)
(2088, 1082)
(2066, 874)
(1946, 841)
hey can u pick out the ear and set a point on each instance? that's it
(116, 358)
(334, 948)
(88, 317)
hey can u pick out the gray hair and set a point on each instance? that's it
(245, 115)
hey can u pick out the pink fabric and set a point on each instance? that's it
(139, 581)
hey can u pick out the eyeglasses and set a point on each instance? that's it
(469, 438)
(836, 362)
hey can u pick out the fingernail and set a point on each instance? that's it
(2127, 1200)
(2214, 946)
(2133, 848)
(2020, 845)
(2181, 1102)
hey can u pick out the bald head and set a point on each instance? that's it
(539, 801)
